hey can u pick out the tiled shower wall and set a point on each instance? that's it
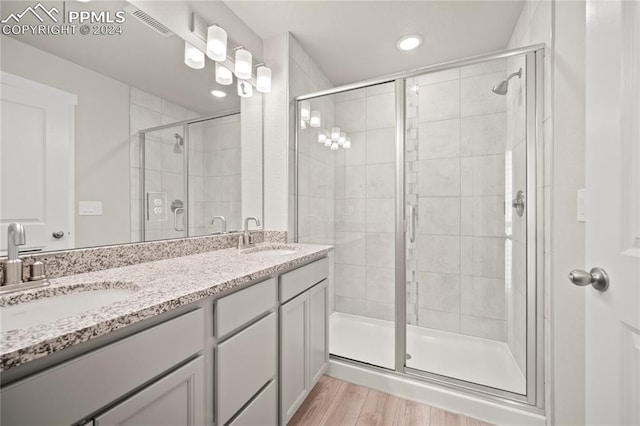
(221, 156)
(461, 213)
(164, 166)
(364, 203)
(316, 162)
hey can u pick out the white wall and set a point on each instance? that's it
(101, 137)
(560, 25)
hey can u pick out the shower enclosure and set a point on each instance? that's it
(428, 185)
(190, 174)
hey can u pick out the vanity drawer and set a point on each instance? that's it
(67, 393)
(261, 411)
(237, 309)
(245, 363)
(297, 281)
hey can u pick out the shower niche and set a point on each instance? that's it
(191, 173)
(433, 212)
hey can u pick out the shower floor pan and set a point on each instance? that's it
(473, 359)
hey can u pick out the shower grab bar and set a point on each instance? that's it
(175, 218)
(412, 224)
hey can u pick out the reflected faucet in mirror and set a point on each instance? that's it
(224, 223)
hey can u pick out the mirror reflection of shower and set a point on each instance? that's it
(177, 147)
(503, 87)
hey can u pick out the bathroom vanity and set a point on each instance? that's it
(223, 337)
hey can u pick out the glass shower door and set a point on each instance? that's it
(163, 187)
(465, 164)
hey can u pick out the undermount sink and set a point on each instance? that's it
(54, 307)
(270, 251)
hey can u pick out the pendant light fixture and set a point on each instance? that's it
(193, 57)
(216, 43)
(263, 79)
(322, 136)
(244, 61)
(223, 75)
(245, 89)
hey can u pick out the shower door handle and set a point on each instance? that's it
(412, 224)
(176, 211)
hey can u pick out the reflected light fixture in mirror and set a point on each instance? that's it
(224, 76)
(316, 119)
(193, 57)
(216, 43)
(218, 93)
(244, 61)
(245, 89)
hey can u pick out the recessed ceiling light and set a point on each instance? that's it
(409, 42)
(218, 93)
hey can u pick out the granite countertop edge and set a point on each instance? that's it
(27, 344)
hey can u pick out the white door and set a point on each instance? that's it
(36, 163)
(613, 211)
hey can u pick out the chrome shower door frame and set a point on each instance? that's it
(534, 399)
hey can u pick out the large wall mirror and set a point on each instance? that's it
(107, 137)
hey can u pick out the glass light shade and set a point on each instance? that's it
(342, 137)
(305, 110)
(223, 75)
(244, 62)
(347, 143)
(322, 136)
(316, 119)
(193, 57)
(217, 43)
(335, 133)
(263, 79)
(328, 143)
(245, 90)
(334, 146)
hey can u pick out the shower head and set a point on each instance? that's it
(503, 87)
(177, 148)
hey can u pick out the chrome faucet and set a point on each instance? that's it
(12, 265)
(247, 239)
(224, 223)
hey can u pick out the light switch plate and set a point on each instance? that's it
(580, 206)
(90, 208)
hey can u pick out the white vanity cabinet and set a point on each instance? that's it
(221, 360)
(303, 333)
(72, 391)
(246, 355)
(176, 399)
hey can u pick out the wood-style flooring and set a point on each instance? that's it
(333, 402)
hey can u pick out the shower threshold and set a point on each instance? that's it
(473, 359)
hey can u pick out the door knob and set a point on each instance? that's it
(58, 234)
(597, 277)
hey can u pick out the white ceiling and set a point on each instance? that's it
(139, 57)
(355, 40)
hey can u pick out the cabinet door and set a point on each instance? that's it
(318, 344)
(176, 399)
(294, 317)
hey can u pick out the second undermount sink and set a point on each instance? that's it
(54, 307)
(270, 250)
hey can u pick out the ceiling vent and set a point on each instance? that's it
(148, 21)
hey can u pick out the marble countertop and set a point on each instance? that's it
(160, 287)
